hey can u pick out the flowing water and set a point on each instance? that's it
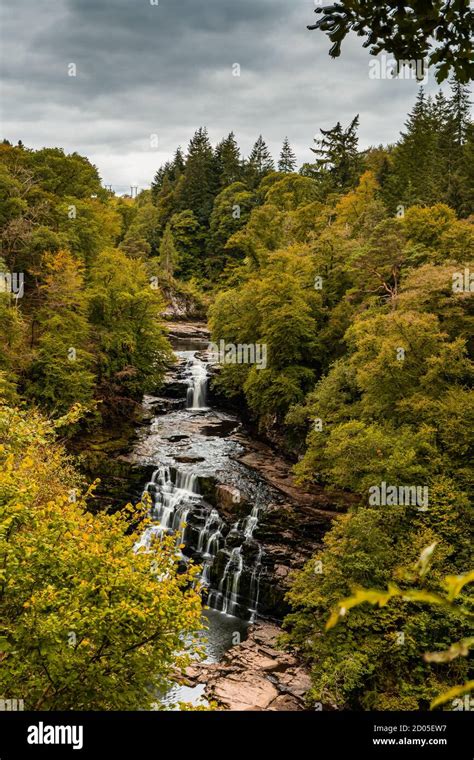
(193, 449)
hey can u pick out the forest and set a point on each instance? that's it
(356, 272)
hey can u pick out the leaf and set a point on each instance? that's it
(455, 583)
(458, 649)
(425, 559)
(456, 691)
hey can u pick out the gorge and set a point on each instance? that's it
(232, 504)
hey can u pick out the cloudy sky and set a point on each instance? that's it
(166, 67)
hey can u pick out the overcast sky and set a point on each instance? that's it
(166, 69)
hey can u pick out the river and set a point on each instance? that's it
(203, 495)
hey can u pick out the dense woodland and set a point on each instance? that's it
(354, 271)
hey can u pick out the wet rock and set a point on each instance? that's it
(189, 459)
(227, 498)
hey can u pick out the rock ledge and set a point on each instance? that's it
(255, 675)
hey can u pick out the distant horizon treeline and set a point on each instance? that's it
(205, 196)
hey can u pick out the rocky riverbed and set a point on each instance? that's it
(254, 675)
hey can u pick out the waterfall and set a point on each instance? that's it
(229, 555)
(250, 522)
(208, 532)
(229, 585)
(171, 501)
(255, 585)
(197, 390)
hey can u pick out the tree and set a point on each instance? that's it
(337, 154)
(440, 30)
(287, 162)
(231, 213)
(168, 252)
(228, 161)
(131, 352)
(450, 600)
(259, 163)
(186, 235)
(415, 171)
(61, 372)
(89, 622)
(199, 179)
(171, 170)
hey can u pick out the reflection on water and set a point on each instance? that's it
(223, 632)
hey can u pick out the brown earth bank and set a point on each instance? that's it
(254, 675)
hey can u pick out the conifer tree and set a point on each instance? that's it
(199, 184)
(415, 176)
(287, 162)
(260, 162)
(179, 163)
(228, 161)
(337, 154)
(460, 110)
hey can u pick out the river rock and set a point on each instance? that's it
(255, 675)
(227, 498)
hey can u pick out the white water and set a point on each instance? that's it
(230, 575)
(197, 389)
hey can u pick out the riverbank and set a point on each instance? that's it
(254, 675)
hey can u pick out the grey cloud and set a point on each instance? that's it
(166, 69)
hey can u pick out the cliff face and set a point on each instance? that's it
(182, 305)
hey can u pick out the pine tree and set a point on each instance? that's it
(457, 181)
(415, 170)
(460, 110)
(199, 185)
(338, 155)
(287, 162)
(171, 171)
(228, 161)
(179, 163)
(158, 180)
(260, 162)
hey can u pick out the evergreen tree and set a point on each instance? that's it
(460, 108)
(415, 171)
(260, 162)
(158, 180)
(179, 163)
(171, 171)
(287, 162)
(228, 161)
(337, 154)
(199, 184)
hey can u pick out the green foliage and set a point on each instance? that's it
(88, 622)
(287, 162)
(337, 157)
(437, 30)
(131, 350)
(450, 600)
(60, 373)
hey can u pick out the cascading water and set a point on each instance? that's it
(229, 555)
(197, 389)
